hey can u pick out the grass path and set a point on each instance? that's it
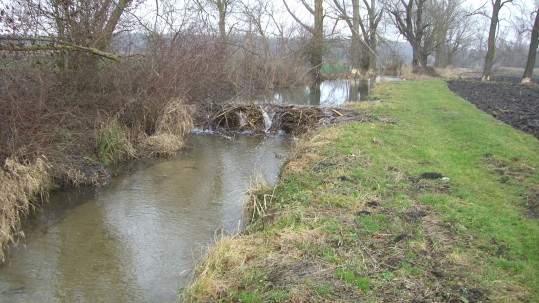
(431, 200)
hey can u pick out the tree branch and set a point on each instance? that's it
(309, 28)
(52, 44)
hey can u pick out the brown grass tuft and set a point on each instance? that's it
(260, 196)
(220, 269)
(175, 118)
(172, 124)
(20, 185)
(162, 144)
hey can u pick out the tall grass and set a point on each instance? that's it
(20, 186)
(173, 123)
(113, 145)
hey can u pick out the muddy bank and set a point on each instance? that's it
(514, 104)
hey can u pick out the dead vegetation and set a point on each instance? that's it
(260, 119)
(21, 185)
(172, 125)
(83, 120)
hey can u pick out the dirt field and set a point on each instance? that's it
(514, 104)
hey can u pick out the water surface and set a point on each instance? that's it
(328, 93)
(138, 238)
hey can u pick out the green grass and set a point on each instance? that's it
(113, 145)
(353, 221)
(334, 68)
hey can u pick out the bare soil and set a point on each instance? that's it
(514, 104)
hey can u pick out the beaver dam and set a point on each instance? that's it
(261, 119)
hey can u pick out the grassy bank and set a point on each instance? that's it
(431, 200)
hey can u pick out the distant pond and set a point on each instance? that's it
(328, 93)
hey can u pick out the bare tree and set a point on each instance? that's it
(452, 23)
(316, 45)
(534, 43)
(70, 26)
(364, 32)
(256, 49)
(411, 22)
(491, 44)
(223, 8)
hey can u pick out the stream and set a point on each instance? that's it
(138, 238)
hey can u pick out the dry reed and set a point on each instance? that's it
(20, 186)
(216, 273)
(173, 123)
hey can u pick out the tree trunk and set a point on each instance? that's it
(441, 57)
(372, 53)
(373, 28)
(356, 53)
(534, 43)
(416, 57)
(317, 41)
(423, 59)
(103, 43)
(491, 44)
(221, 7)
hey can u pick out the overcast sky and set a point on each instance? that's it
(148, 6)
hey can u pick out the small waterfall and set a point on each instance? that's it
(268, 119)
(244, 118)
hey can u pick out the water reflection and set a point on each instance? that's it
(328, 93)
(129, 241)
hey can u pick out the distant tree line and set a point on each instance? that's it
(439, 32)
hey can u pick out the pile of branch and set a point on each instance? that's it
(298, 120)
(229, 117)
(241, 118)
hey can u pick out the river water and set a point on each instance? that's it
(138, 238)
(326, 94)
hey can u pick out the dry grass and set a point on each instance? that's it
(173, 123)
(220, 268)
(258, 200)
(175, 118)
(162, 144)
(458, 72)
(305, 155)
(20, 185)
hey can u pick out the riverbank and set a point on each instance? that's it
(61, 146)
(431, 200)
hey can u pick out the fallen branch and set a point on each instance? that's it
(52, 44)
